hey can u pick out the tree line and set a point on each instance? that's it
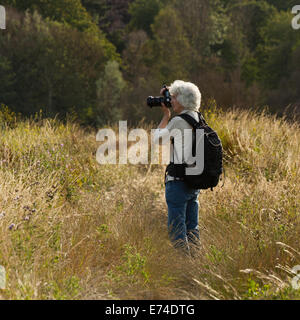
(100, 59)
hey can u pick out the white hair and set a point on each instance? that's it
(187, 94)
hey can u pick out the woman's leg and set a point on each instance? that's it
(176, 198)
(192, 218)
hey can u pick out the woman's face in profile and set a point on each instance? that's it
(177, 107)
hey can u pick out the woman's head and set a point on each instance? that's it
(187, 94)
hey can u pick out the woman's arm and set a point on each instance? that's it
(166, 117)
(161, 131)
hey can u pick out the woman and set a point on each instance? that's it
(182, 201)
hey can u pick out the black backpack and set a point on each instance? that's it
(213, 154)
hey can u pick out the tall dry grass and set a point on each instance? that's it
(73, 229)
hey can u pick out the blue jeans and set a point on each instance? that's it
(183, 208)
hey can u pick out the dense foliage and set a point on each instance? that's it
(56, 55)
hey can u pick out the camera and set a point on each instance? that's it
(157, 101)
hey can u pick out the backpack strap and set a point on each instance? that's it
(189, 119)
(202, 119)
(194, 123)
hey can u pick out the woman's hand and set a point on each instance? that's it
(162, 90)
(166, 111)
(166, 117)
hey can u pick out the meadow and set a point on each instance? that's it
(71, 228)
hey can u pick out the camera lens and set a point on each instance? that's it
(154, 101)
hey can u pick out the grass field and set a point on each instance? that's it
(71, 228)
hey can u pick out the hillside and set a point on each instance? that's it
(71, 228)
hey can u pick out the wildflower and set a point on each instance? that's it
(11, 226)
(2, 214)
(26, 218)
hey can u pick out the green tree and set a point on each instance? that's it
(143, 13)
(67, 11)
(169, 52)
(275, 53)
(56, 66)
(279, 62)
(7, 80)
(243, 37)
(109, 89)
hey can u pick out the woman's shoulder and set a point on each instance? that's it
(178, 123)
